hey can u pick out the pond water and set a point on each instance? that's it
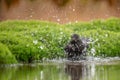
(61, 11)
(90, 69)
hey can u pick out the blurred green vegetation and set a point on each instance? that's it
(36, 40)
(104, 33)
(5, 55)
(33, 40)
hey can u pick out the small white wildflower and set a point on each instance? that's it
(41, 47)
(35, 42)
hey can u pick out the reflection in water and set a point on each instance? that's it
(75, 71)
(61, 11)
(61, 71)
(80, 71)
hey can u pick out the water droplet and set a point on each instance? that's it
(93, 51)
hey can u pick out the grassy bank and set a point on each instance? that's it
(5, 55)
(35, 40)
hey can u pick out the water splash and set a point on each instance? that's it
(88, 60)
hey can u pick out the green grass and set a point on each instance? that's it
(35, 40)
(5, 55)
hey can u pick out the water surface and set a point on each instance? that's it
(92, 69)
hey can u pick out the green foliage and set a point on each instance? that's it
(35, 40)
(5, 55)
(105, 36)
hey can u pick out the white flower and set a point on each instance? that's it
(35, 42)
(41, 47)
